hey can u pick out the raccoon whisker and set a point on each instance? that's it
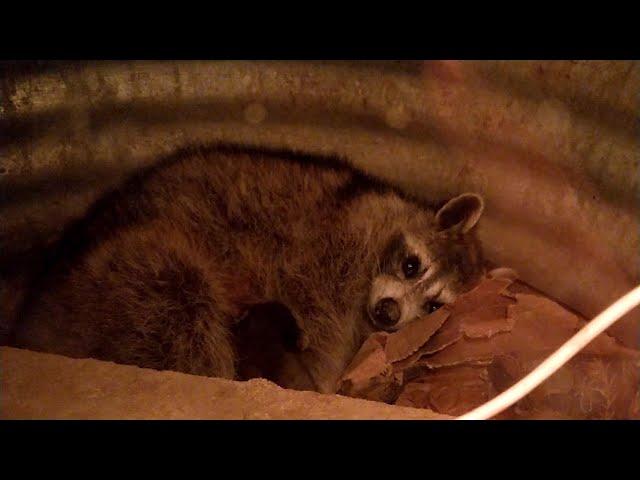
(435, 289)
(431, 273)
(307, 371)
(437, 298)
(378, 268)
(444, 297)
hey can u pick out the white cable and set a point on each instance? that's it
(554, 362)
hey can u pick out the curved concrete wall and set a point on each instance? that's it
(553, 146)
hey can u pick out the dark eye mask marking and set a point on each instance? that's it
(393, 254)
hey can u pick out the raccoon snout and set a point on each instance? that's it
(387, 312)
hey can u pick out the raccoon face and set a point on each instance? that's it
(427, 263)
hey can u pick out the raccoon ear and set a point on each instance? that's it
(460, 214)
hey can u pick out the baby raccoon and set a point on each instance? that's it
(236, 262)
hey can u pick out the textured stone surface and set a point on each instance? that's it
(553, 147)
(43, 386)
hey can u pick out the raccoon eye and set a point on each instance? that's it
(411, 266)
(433, 306)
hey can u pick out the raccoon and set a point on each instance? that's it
(238, 262)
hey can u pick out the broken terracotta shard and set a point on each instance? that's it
(368, 368)
(403, 343)
(372, 374)
(464, 354)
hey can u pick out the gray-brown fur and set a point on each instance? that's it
(163, 272)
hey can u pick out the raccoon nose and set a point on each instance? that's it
(387, 312)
